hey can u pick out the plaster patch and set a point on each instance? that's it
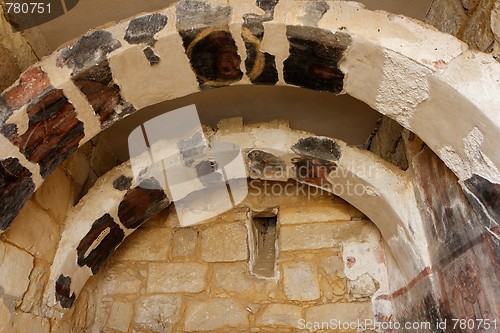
(404, 86)
(479, 162)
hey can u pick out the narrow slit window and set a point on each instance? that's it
(264, 245)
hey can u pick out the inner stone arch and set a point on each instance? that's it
(466, 233)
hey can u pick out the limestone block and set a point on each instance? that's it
(342, 312)
(332, 266)
(123, 278)
(102, 159)
(55, 195)
(4, 316)
(158, 313)
(184, 245)
(25, 322)
(300, 281)
(26, 233)
(317, 213)
(15, 269)
(176, 278)
(215, 314)
(363, 286)
(224, 243)
(32, 299)
(120, 316)
(307, 237)
(316, 235)
(145, 245)
(77, 167)
(280, 314)
(235, 279)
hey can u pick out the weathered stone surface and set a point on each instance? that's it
(184, 245)
(314, 213)
(215, 314)
(53, 133)
(122, 278)
(214, 58)
(224, 243)
(97, 84)
(151, 56)
(99, 243)
(177, 278)
(264, 164)
(447, 15)
(144, 28)
(64, 295)
(363, 286)
(311, 236)
(33, 297)
(314, 11)
(16, 187)
(145, 245)
(388, 143)
(314, 58)
(26, 233)
(120, 316)
(122, 183)
(54, 196)
(280, 314)
(5, 316)
(312, 171)
(300, 281)
(158, 313)
(141, 203)
(317, 235)
(26, 322)
(477, 33)
(193, 14)
(321, 148)
(484, 195)
(235, 280)
(32, 83)
(342, 312)
(15, 269)
(88, 50)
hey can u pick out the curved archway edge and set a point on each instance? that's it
(423, 79)
(387, 199)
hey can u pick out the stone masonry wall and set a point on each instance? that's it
(476, 22)
(165, 278)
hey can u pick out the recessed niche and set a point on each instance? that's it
(263, 240)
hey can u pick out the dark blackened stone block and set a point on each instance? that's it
(484, 197)
(142, 203)
(16, 187)
(88, 50)
(63, 292)
(54, 131)
(122, 183)
(193, 149)
(214, 57)
(318, 147)
(312, 171)
(314, 58)
(99, 243)
(260, 66)
(206, 173)
(263, 163)
(195, 14)
(143, 29)
(151, 56)
(97, 84)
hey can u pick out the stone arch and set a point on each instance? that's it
(423, 79)
(95, 228)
